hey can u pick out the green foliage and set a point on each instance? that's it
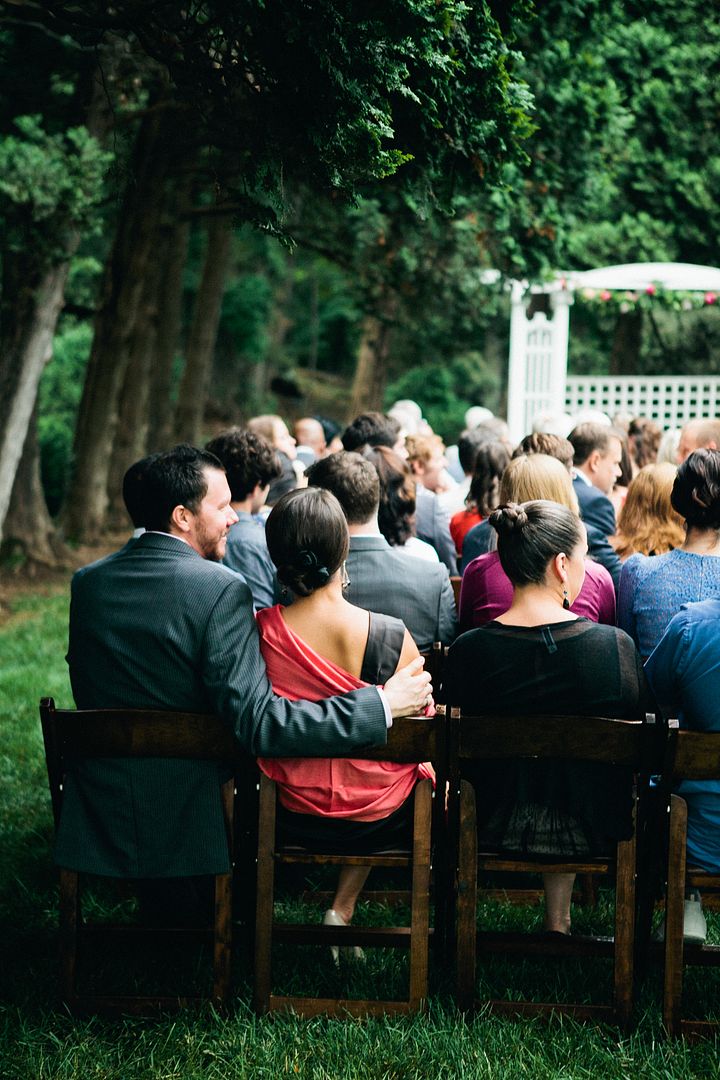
(445, 393)
(59, 399)
(49, 185)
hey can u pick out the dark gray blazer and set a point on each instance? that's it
(157, 626)
(414, 590)
(432, 525)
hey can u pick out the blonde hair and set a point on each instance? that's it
(538, 476)
(647, 521)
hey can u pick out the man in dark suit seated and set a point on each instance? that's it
(596, 467)
(381, 578)
(162, 624)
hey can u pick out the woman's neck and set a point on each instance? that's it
(535, 605)
(329, 595)
(702, 541)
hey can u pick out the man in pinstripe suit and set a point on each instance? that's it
(161, 624)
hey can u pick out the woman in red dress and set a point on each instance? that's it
(317, 647)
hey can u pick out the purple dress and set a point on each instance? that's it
(487, 592)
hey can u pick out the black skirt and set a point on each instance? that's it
(345, 836)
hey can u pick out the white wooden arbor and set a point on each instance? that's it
(537, 379)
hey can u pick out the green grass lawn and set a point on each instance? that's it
(39, 1040)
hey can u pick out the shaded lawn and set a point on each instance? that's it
(39, 1040)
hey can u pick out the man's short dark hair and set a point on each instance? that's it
(248, 460)
(352, 480)
(371, 429)
(586, 438)
(133, 490)
(176, 478)
(468, 445)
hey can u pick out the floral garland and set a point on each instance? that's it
(651, 296)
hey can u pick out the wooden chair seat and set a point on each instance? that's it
(409, 740)
(79, 734)
(617, 742)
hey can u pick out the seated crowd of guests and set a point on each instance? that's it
(590, 585)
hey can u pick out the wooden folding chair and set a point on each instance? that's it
(691, 755)
(456, 582)
(569, 738)
(412, 739)
(135, 733)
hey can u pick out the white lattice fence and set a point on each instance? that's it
(670, 400)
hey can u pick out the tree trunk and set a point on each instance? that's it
(28, 528)
(174, 256)
(368, 386)
(31, 302)
(627, 340)
(203, 334)
(130, 262)
(133, 415)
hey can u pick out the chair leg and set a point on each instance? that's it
(69, 926)
(264, 895)
(466, 904)
(420, 907)
(222, 937)
(624, 966)
(674, 917)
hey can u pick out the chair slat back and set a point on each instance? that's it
(694, 755)
(568, 738)
(138, 733)
(410, 739)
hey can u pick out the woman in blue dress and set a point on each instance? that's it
(654, 588)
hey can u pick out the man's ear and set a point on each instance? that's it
(592, 460)
(180, 518)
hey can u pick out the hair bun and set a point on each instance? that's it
(509, 518)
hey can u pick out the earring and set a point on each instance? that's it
(566, 601)
(344, 577)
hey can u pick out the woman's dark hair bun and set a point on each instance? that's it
(304, 574)
(508, 518)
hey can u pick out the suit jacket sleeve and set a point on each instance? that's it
(447, 621)
(236, 682)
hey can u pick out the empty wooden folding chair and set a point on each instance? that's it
(73, 735)
(570, 738)
(409, 740)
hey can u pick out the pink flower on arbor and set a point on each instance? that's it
(651, 290)
(605, 295)
(710, 297)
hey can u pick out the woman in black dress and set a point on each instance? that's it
(539, 657)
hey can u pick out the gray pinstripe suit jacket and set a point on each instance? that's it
(414, 590)
(157, 626)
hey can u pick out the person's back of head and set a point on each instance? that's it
(353, 481)
(696, 491)
(177, 477)
(307, 538)
(644, 435)
(134, 491)
(699, 434)
(647, 522)
(396, 512)
(543, 442)
(468, 445)
(588, 437)
(538, 476)
(309, 432)
(491, 461)
(248, 460)
(371, 429)
(530, 535)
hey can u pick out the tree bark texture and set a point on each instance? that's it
(31, 302)
(368, 386)
(203, 334)
(28, 529)
(174, 250)
(125, 282)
